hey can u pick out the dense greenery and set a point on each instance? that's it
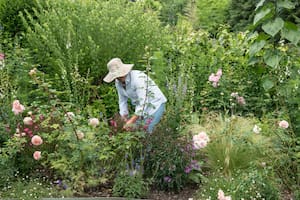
(231, 125)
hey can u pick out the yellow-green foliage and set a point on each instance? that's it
(233, 143)
(211, 13)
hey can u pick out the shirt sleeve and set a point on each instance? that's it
(140, 83)
(123, 106)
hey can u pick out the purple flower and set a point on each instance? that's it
(188, 169)
(167, 179)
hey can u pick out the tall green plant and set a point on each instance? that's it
(211, 14)
(89, 33)
(276, 48)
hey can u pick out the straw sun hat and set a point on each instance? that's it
(116, 69)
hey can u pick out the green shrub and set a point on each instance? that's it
(10, 11)
(244, 184)
(211, 14)
(90, 34)
(130, 185)
(28, 187)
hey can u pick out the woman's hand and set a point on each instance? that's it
(130, 122)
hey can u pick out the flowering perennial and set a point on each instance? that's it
(214, 78)
(200, 140)
(93, 122)
(221, 195)
(17, 107)
(283, 124)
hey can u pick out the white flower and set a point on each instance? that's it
(94, 122)
(28, 121)
(256, 129)
(283, 124)
(80, 135)
(70, 114)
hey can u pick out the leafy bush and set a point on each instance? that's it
(211, 14)
(10, 11)
(28, 187)
(92, 33)
(130, 185)
(245, 184)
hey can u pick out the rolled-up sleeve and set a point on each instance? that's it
(141, 92)
(123, 106)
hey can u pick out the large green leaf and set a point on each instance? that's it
(286, 4)
(267, 84)
(261, 14)
(291, 32)
(256, 47)
(274, 26)
(272, 59)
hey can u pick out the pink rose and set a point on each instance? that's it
(200, 144)
(17, 107)
(80, 135)
(214, 78)
(219, 72)
(36, 140)
(37, 155)
(283, 124)
(221, 195)
(94, 122)
(113, 123)
(241, 100)
(28, 121)
(200, 140)
(2, 56)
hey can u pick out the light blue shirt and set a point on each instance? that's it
(143, 93)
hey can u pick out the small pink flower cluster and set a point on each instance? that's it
(240, 100)
(28, 127)
(200, 140)
(283, 124)
(221, 195)
(17, 107)
(214, 78)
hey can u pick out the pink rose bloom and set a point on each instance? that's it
(283, 124)
(214, 78)
(80, 135)
(200, 144)
(200, 140)
(37, 155)
(201, 136)
(113, 123)
(221, 195)
(219, 72)
(17, 107)
(93, 122)
(36, 140)
(28, 121)
(241, 100)
(2, 56)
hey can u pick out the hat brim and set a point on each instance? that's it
(112, 76)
